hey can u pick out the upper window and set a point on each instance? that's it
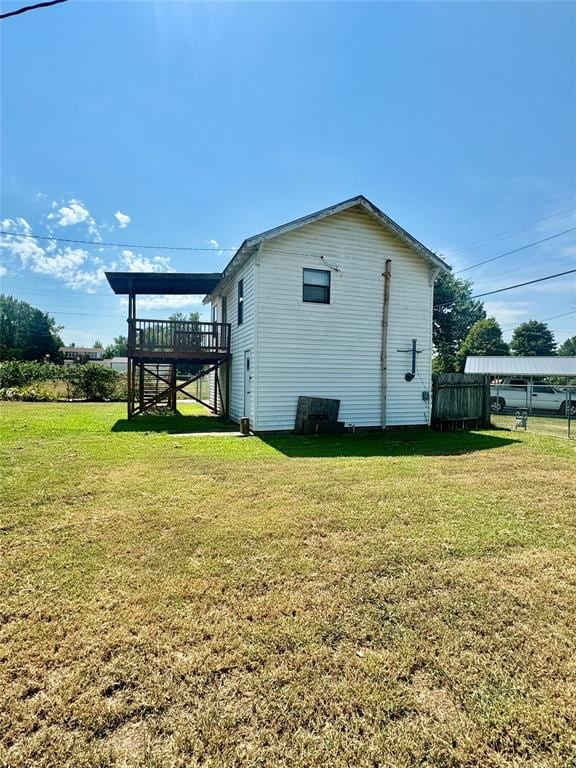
(240, 302)
(224, 309)
(317, 286)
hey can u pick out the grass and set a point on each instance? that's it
(547, 425)
(390, 600)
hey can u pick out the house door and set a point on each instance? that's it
(247, 383)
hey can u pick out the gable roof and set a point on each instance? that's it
(251, 244)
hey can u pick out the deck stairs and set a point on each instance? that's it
(153, 378)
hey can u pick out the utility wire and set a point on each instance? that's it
(516, 250)
(113, 245)
(544, 319)
(510, 287)
(211, 250)
(479, 243)
(27, 8)
(166, 309)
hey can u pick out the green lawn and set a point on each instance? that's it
(546, 425)
(405, 599)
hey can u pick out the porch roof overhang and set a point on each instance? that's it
(163, 283)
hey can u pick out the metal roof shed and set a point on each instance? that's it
(500, 365)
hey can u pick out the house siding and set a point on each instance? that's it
(242, 336)
(335, 350)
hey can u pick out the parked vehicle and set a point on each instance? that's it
(521, 394)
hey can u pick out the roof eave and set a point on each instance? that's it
(250, 244)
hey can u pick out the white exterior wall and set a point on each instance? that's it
(334, 350)
(242, 336)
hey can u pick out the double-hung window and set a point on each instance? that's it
(316, 287)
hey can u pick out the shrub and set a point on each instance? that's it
(9, 393)
(19, 380)
(31, 393)
(38, 393)
(93, 382)
(19, 373)
(121, 391)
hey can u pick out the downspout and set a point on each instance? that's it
(384, 357)
(434, 272)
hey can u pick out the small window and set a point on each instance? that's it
(214, 313)
(240, 302)
(317, 286)
(224, 309)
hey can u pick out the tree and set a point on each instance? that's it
(98, 344)
(118, 348)
(532, 339)
(193, 317)
(455, 312)
(484, 338)
(185, 370)
(27, 333)
(568, 347)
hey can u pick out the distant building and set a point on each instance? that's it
(119, 364)
(81, 354)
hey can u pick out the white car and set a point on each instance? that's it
(519, 394)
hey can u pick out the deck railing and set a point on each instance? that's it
(172, 336)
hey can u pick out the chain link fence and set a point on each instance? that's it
(547, 409)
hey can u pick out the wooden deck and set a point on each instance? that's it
(177, 341)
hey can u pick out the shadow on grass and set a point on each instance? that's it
(402, 443)
(179, 424)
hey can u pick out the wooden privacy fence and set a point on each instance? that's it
(460, 400)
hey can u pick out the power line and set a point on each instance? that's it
(527, 270)
(27, 8)
(211, 250)
(544, 319)
(510, 287)
(113, 245)
(516, 250)
(479, 243)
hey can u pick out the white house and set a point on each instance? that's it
(329, 306)
(75, 354)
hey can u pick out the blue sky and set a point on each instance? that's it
(199, 124)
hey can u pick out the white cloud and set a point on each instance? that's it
(138, 263)
(75, 267)
(123, 219)
(25, 249)
(165, 302)
(69, 265)
(3, 271)
(508, 312)
(73, 213)
(213, 243)
(87, 280)
(16, 225)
